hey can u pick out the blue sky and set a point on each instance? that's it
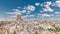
(30, 9)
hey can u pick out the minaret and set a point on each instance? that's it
(18, 17)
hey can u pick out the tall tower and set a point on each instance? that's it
(18, 17)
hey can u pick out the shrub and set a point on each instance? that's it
(51, 29)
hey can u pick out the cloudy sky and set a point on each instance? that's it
(30, 9)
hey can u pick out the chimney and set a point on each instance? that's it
(18, 19)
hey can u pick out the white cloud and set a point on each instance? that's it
(52, 14)
(47, 3)
(23, 11)
(57, 12)
(48, 9)
(2, 19)
(27, 9)
(16, 11)
(32, 15)
(28, 12)
(13, 16)
(37, 4)
(30, 8)
(56, 3)
(19, 7)
(41, 11)
(41, 4)
(28, 16)
(45, 15)
(39, 14)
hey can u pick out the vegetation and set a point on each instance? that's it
(40, 28)
(14, 32)
(51, 29)
(57, 29)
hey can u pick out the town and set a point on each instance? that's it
(20, 26)
(29, 16)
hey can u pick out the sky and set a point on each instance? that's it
(30, 9)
